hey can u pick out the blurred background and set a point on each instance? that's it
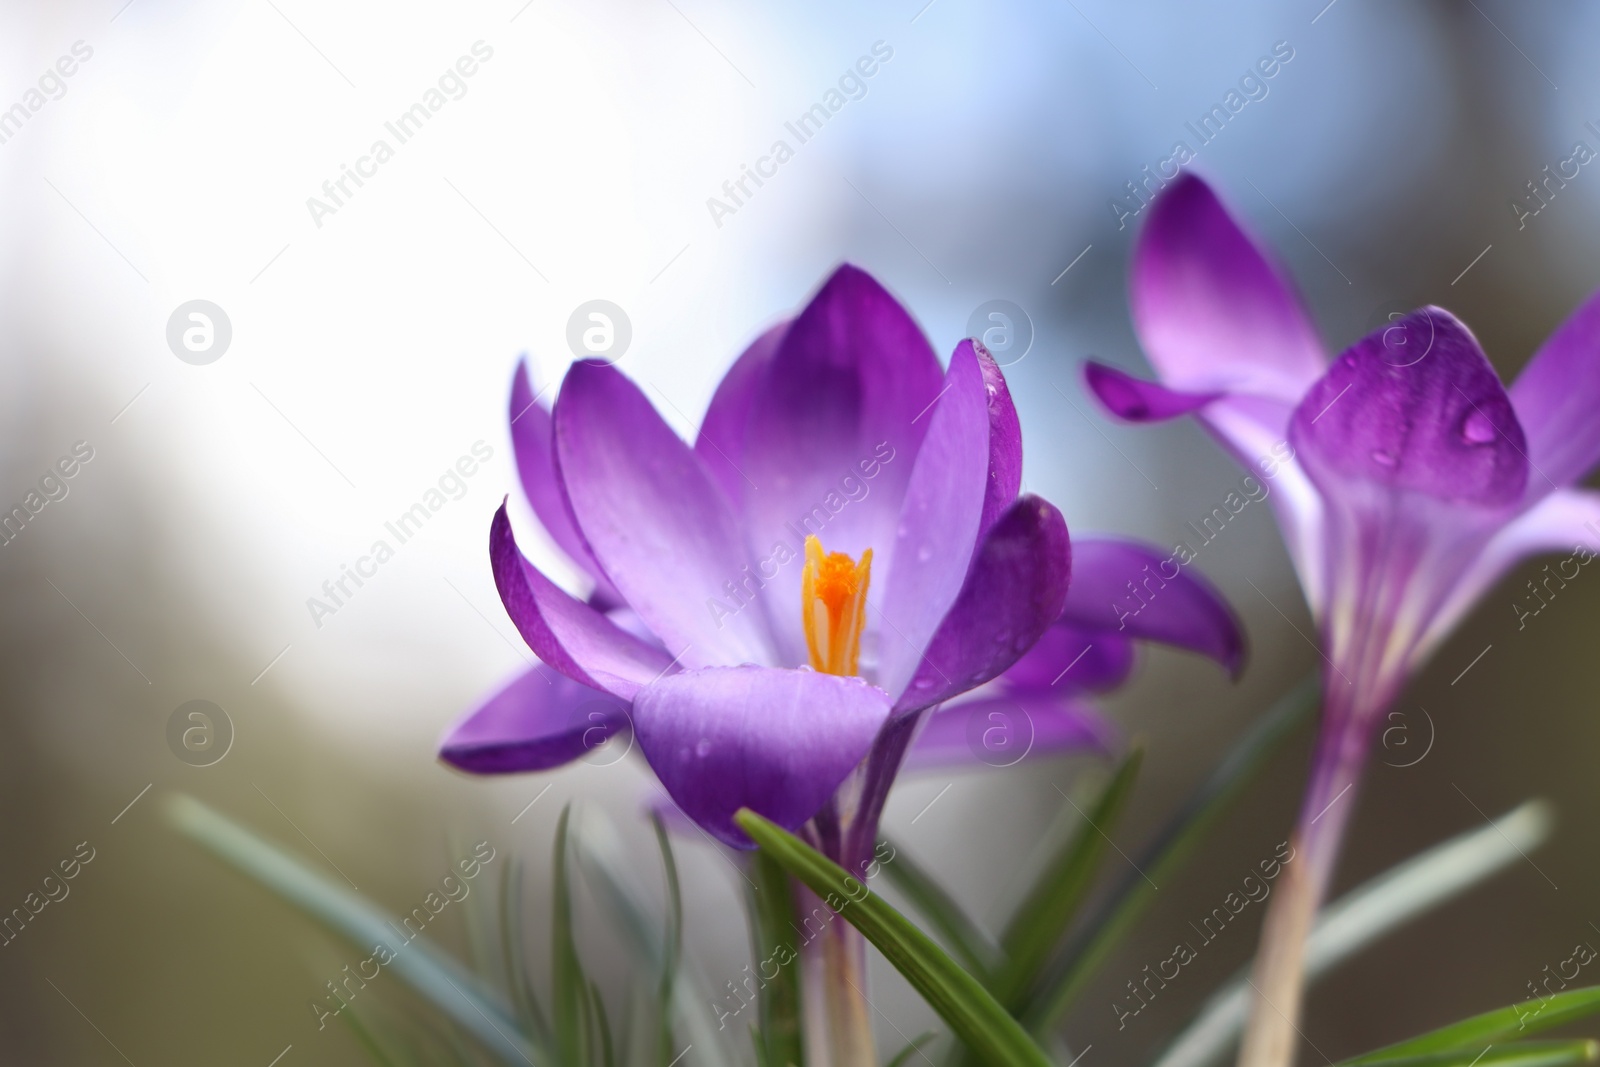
(371, 342)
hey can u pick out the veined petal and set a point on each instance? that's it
(835, 424)
(1136, 400)
(1069, 658)
(543, 719)
(1135, 590)
(1003, 731)
(566, 633)
(778, 742)
(1012, 593)
(659, 526)
(1556, 397)
(1440, 424)
(1567, 520)
(724, 432)
(938, 523)
(1212, 312)
(532, 441)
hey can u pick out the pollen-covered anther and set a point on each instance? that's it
(833, 607)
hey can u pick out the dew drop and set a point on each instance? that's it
(1385, 458)
(703, 749)
(924, 554)
(1478, 429)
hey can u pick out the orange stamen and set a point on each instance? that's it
(833, 598)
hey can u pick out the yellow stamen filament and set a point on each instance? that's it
(833, 607)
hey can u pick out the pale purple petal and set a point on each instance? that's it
(532, 441)
(1003, 731)
(724, 432)
(938, 524)
(566, 633)
(1137, 400)
(1213, 314)
(1135, 590)
(543, 719)
(1012, 593)
(1566, 521)
(778, 742)
(1005, 441)
(835, 427)
(659, 526)
(1556, 397)
(1070, 659)
(1439, 424)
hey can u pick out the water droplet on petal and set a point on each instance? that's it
(922, 683)
(924, 554)
(1385, 458)
(703, 749)
(1478, 429)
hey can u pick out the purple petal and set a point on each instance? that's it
(1129, 589)
(566, 633)
(1556, 396)
(1005, 441)
(1015, 590)
(724, 432)
(1003, 731)
(835, 427)
(532, 441)
(778, 742)
(938, 525)
(1212, 313)
(542, 720)
(1137, 400)
(658, 524)
(1070, 659)
(1439, 424)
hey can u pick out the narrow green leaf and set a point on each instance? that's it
(905, 1054)
(1515, 1054)
(1045, 913)
(569, 985)
(976, 949)
(1502, 1024)
(959, 999)
(1112, 921)
(672, 947)
(432, 974)
(771, 909)
(602, 1027)
(513, 949)
(1370, 912)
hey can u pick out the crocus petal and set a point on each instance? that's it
(1013, 592)
(658, 524)
(778, 742)
(1567, 520)
(938, 525)
(1212, 312)
(1556, 396)
(531, 440)
(566, 633)
(1137, 400)
(1068, 659)
(1005, 441)
(834, 428)
(1135, 590)
(1439, 424)
(724, 432)
(543, 719)
(1003, 731)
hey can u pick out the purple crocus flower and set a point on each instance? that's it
(1408, 481)
(843, 548)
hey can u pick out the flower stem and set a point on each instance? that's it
(838, 1020)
